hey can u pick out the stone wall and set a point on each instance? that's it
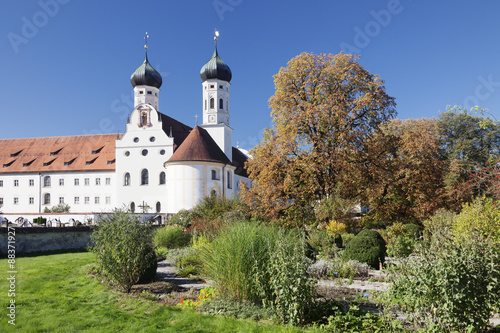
(46, 239)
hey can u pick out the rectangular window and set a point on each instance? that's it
(77, 181)
(16, 182)
(1, 201)
(32, 201)
(16, 200)
(96, 199)
(61, 182)
(215, 175)
(61, 200)
(77, 200)
(87, 181)
(108, 181)
(108, 200)
(229, 180)
(1, 183)
(98, 181)
(32, 182)
(87, 200)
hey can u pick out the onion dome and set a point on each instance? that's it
(146, 75)
(215, 68)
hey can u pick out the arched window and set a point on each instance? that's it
(162, 178)
(221, 104)
(132, 207)
(205, 104)
(126, 179)
(229, 180)
(158, 207)
(144, 177)
(46, 181)
(46, 199)
(212, 102)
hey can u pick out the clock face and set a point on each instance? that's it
(211, 119)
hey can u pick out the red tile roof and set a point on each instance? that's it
(58, 154)
(199, 146)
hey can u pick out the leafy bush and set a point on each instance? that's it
(123, 246)
(356, 320)
(171, 237)
(283, 283)
(173, 255)
(183, 218)
(335, 228)
(482, 215)
(346, 238)
(402, 239)
(367, 247)
(449, 285)
(324, 244)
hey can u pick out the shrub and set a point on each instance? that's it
(324, 244)
(367, 247)
(335, 228)
(482, 215)
(171, 237)
(338, 269)
(283, 283)
(173, 255)
(449, 285)
(123, 246)
(183, 218)
(402, 239)
(346, 238)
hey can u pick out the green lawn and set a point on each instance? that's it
(55, 294)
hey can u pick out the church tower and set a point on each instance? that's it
(146, 82)
(216, 76)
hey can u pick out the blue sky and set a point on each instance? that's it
(66, 64)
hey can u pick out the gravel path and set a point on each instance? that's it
(166, 272)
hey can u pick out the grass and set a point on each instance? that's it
(54, 293)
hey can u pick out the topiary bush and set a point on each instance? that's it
(171, 237)
(367, 247)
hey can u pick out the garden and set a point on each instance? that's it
(439, 277)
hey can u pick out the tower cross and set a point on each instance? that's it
(196, 117)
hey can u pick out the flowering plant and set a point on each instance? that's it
(205, 295)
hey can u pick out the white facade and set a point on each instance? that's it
(137, 173)
(84, 192)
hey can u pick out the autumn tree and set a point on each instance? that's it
(409, 185)
(326, 109)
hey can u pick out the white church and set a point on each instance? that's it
(157, 166)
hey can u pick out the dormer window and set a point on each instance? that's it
(55, 152)
(16, 153)
(69, 162)
(97, 151)
(91, 161)
(48, 163)
(27, 164)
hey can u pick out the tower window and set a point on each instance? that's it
(212, 86)
(221, 87)
(158, 207)
(212, 103)
(141, 92)
(162, 178)
(205, 104)
(221, 104)
(144, 177)
(150, 92)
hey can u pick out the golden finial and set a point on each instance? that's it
(146, 41)
(216, 34)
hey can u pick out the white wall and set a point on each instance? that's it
(62, 185)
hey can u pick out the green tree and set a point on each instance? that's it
(469, 140)
(326, 109)
(124, 248)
